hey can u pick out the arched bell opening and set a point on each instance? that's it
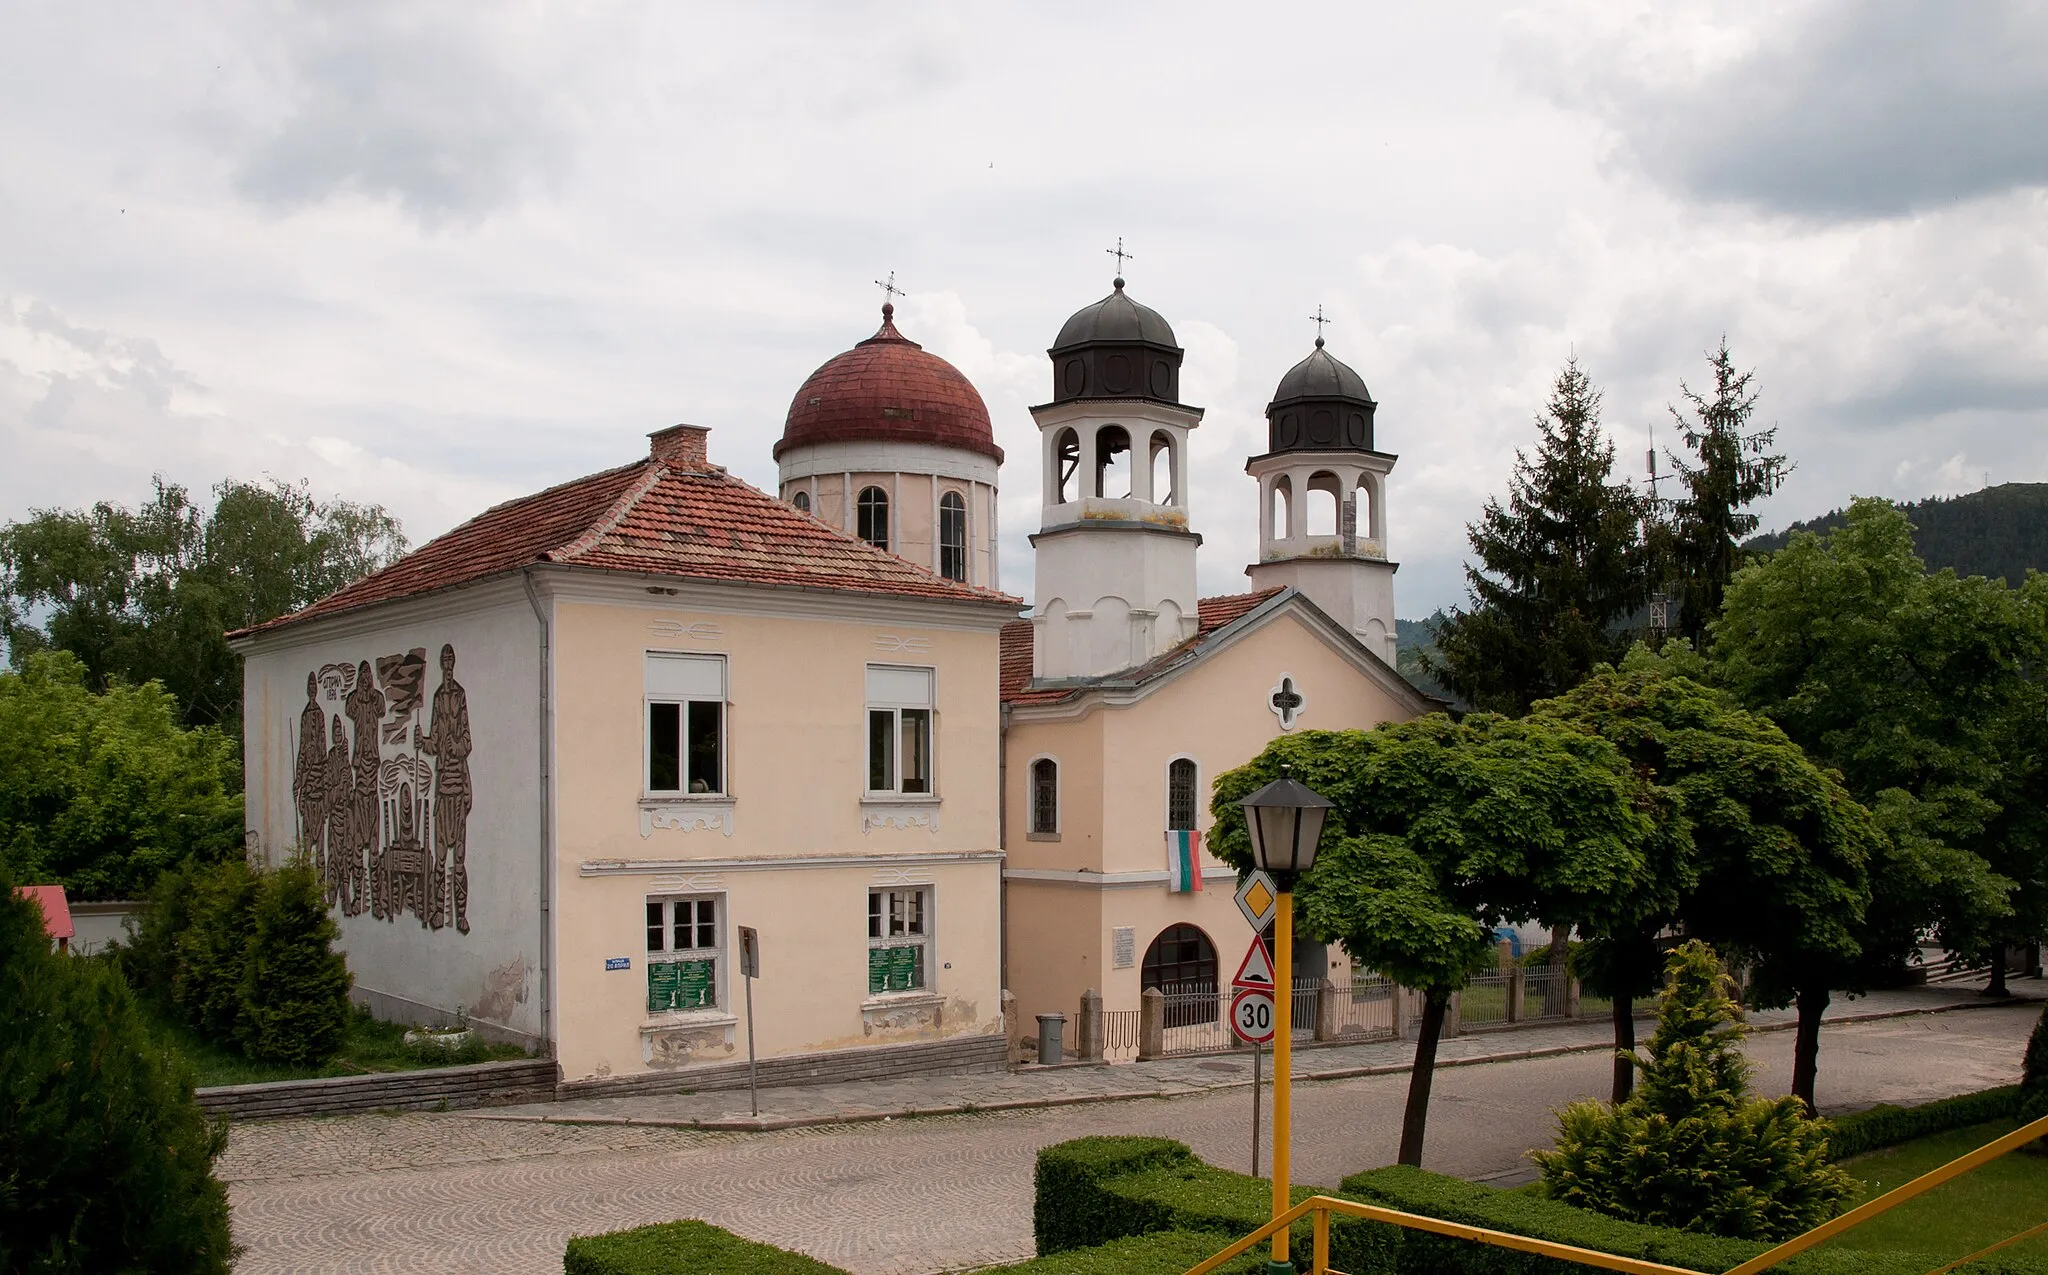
(1113, 462)
(1319, 516)
(1164, 490)
(1280, 508)
(1066, 450)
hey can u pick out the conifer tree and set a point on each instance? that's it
(294, 990)
(1560, 566)
(1732, 467)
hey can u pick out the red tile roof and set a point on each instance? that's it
(889, 388)
(663, 517)
(1212, 614)
(56, 909)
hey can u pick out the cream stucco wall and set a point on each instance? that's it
(797, 847)
(404, 967)
(1113, 819)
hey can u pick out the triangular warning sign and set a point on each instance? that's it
(1257, 968)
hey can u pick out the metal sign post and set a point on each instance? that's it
(750, 969)
(1256, 1052)
(1251, 1019)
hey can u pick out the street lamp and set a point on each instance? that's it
(1285, 820)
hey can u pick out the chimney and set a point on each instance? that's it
(681, 446)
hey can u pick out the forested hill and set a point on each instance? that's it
(1999, 531)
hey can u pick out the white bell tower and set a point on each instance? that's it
(1322, 500)
(1115, 560)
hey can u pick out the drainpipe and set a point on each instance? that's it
(1002, 844)
(546, 710)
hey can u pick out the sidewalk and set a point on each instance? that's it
(931, 1095)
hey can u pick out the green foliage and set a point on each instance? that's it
(2034, 1075)
(147, 594)
(105, 1161)
(1093, 1190)
(1730, 470)
(683, 1248)
(1154, 1253)
(104, 792)
(1886, 1125)
(1559, 566)
(2000, 532)
(246, 960)
(294, 988)
(1691, 1148)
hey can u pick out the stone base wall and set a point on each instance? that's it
(965, 1053)
(433, 1088)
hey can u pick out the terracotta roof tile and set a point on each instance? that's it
(1212, 614)
(656, 519)
(889, 388)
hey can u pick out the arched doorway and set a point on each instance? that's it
(1181, 963)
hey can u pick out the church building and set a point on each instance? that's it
(553, 765)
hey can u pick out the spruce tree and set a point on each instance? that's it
(1732, 467)
(1560, 566)
(106, 1163)
(294, 991)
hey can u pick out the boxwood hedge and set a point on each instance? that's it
(683, 1248)
(1887, 1126)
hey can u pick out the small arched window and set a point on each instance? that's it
(1067, 464)
(952, 536)
(1181, 794)
(1045, 797)
(802, 501)
(872, 522)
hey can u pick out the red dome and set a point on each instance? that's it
(888, 389)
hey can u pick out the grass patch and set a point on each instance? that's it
(370, 1046)
(1985, 1205)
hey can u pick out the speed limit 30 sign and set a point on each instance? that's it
(1251, 1016)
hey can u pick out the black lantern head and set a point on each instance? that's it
(1285, 819)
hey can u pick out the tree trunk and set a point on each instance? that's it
(1997, 987)
(1813, 1002)
(1554, 989)
(1415, 1119)
(1624, 1047)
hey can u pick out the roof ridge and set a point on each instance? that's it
(612, 517)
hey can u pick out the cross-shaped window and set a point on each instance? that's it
(1287, 702)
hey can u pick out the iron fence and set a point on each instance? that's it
(1120, 1034)
(1197, 1019)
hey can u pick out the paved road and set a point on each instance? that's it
(453, 1193)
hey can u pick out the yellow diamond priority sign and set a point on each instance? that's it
(1256, 898)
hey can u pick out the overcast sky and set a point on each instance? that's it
(442, 255)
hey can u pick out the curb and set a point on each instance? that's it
(771, 1124)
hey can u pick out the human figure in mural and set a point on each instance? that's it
(309, 776)
(448, 743)
(365, 710)
(337, 789)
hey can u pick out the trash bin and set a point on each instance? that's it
(1052, 1044)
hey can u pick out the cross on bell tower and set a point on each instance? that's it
(1121, 257)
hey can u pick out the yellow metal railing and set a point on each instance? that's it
(1320, 1208)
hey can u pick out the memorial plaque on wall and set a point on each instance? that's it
(680, 985)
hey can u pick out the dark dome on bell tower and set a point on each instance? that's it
(1320, 405)
(1116, 348)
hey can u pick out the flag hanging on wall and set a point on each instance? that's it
(1184, 861)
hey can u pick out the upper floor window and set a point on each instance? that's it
(872, 520)
(684, 942)
(952, 536)
(802, 501)
(1181, 793)
(899, 729)
(1045, 797)
(685, 723)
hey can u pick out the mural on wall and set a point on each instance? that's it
(388, 834)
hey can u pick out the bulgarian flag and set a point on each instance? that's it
(1184, 861)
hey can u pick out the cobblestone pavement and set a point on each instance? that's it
(458, 1193)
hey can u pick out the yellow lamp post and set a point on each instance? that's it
(1285, 820)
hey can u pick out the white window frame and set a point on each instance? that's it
(1032, 832)
(669, 954)
(939, 535)
(650, 698)
(897, 707)
(925, 941)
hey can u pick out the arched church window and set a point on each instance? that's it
(1045, 797)
(1162, 469)
(952, 536)
(1182, 964)
(1280, 516)
(802, 501)
(1113, 461)
(1067, 455)
(1319, 515)
(872, 521)
(1181, 794)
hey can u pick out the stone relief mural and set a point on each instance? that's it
(388, 834)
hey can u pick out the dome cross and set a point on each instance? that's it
(1120, 255)
(889, 289)
(1318, 319)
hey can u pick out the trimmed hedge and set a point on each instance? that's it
(1156, 1253)
(1887, 1126)
(683, 1248)
(1094, 1190)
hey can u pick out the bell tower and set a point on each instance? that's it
(1115, 558)
(1322, 500)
